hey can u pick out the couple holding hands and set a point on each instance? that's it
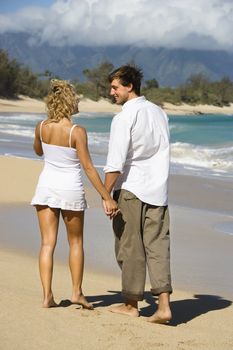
(136, 173)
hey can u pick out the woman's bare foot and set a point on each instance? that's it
(81, 300)
(47, 303)
(161, 317)
(125, 309)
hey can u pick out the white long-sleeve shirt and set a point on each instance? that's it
(139, 149)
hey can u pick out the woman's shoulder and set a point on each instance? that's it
(77, 129)
(41, 122)
(79, 134)
(38, 126)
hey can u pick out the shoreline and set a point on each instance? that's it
(28, 105)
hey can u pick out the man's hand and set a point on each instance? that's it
(110, 208)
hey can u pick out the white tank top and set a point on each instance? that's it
(62, 169)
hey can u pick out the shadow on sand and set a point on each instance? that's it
(186, 310)
(183, 310)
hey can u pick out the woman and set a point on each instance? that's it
(60, 188)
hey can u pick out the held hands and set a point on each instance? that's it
(110, 208)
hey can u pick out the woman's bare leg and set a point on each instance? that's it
(74, 224)
(48, 221)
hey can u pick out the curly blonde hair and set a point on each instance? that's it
(61, 101)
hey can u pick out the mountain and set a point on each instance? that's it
(170, 67)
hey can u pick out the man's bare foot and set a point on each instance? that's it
(160, 317)
(81, 300)
(125, 309)
(49, 303)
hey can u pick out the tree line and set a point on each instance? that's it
(16, 79)
(198, 89)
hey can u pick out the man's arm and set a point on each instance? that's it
(110, 180)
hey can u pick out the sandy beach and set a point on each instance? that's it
(26, 104)
(201, 213)
(185, 109)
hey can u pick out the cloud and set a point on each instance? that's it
(197, 24)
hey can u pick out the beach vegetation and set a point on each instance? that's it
(17, 79)
(97, 79)
(86, 89)
(9, 70)
(198, 89)
(151, 84)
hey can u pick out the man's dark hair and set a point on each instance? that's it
(128, 75)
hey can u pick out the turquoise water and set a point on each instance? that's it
(201, 145)
(202, 130)
(197, 130)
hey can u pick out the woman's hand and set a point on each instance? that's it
(110, 208)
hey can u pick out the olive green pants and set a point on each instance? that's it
(142, 239)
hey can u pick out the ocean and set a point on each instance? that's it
(201, 145)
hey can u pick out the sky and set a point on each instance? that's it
(8, 6)
(191, 24)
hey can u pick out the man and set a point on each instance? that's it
(137, 170)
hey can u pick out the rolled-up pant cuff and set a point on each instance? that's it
(131, 296)
(157, 291)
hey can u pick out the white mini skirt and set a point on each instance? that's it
(62, 199)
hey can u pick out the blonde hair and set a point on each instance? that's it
(61, 100)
